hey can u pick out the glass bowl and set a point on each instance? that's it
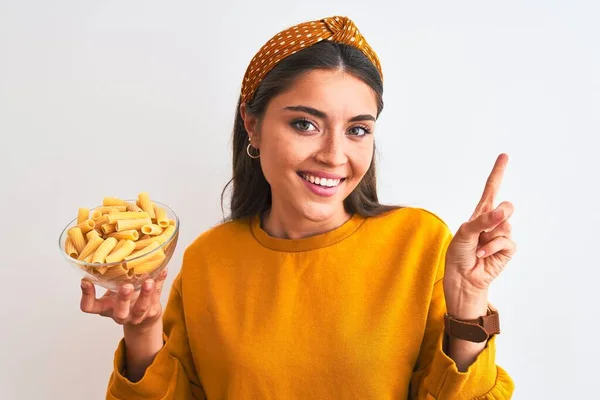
(133, 270)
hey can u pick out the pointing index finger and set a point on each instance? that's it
(492, 186)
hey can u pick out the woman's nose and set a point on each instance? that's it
(332, 151)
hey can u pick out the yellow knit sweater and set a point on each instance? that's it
(354, 313)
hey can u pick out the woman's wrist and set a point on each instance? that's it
(463, 301)
(142, 343)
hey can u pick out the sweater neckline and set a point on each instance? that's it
(308, 243)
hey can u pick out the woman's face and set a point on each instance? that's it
(316, 143)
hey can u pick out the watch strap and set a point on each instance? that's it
(475, 330)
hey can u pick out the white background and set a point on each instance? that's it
(116, 97)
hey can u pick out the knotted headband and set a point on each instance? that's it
(337, 29)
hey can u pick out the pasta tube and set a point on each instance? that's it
(109, 228)
(161, 217)
(131, 234)
(104, 249)
(126, 248)
(118, 246)
(82, 215)
(86, 226)
(147, 249)
(70, 248)
(115, 272)
(145, 204)
(158, 253)
(128, 224)
(114, 201)
(149, 266)
(90, 247)
(107, 209)
(96, 214)
(133, 207)
(152, 230)
(113, 218)
(77, 238)
(91, 234)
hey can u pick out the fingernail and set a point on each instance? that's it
(497, 213)
(480, 253)
(125, 290)
(148, 285)
(84, 284)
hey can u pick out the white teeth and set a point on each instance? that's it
(322, 181)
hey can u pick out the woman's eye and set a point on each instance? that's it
(359, 131)
(304, 125)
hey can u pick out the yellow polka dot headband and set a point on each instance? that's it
(294, 39)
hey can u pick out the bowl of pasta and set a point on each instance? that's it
(121, 241)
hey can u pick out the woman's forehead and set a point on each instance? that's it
(330, 90)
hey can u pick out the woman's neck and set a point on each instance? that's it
(288, 225)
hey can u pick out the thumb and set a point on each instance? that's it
(483, 223)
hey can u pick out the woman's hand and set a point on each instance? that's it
(127, 308)
(480, 249)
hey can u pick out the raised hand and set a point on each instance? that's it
(482, 246)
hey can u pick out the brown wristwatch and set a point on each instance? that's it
(475, 330)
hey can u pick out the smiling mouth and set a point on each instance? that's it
(321, 182)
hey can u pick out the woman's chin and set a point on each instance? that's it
(319, 212)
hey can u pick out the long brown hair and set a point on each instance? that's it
(251, 192)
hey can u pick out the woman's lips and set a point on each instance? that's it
(321, 190)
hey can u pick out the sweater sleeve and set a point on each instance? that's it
(436, 376)
(172, 374)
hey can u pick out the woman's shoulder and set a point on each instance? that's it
(222, 234)
(410, 219)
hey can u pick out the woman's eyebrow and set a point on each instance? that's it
(322, 115)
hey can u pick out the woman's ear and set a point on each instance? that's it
(250, 124)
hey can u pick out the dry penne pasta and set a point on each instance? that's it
(86, 226)
(90, 247)
(114, 201)
(140, 244)
(153, 255)
(146, 204)
(77, 238)
(147, 249)
(126, 248)
(122, 240)
(133, 207)
(161, 217)
(131, 234)
(127, 215)
(109, 228)
(128, 224)
(107, 209)
(152, 230)
(167, 233)
(82, 215)
(102, 220)
(115, 272)
(95, 214)
(104, 249)
(70, 248)
(91, 234)
(149, 265)
(118, 246)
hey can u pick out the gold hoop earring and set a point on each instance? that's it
(248, 152)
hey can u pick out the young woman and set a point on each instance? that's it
(312, 288)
